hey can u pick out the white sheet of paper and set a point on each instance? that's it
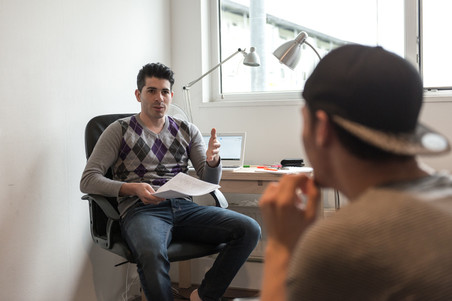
(183, 185)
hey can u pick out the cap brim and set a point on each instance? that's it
(424, 141)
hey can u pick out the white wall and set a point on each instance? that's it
(61, 63)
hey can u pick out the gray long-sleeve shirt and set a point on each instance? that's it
(135, 154)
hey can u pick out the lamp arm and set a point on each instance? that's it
(186, 88)
(211, 70)
(306, 42)
(188, 104)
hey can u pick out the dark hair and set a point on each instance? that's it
(357, 146)
(157, 70)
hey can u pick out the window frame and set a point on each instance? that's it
(413, 39)
(252, 98)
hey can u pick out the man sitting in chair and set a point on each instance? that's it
(145, 151)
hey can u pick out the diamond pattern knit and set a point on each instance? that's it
(152, 158)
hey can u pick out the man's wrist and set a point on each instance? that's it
(213, 163)
(127, 189)
(277, 259)
(276, 249)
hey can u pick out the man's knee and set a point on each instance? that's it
(152, 256)
(250, 227)
(254, 229)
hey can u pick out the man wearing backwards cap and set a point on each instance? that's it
(361, 133)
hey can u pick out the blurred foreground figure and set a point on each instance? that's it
(361, 134)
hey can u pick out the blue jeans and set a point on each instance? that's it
(149, 229)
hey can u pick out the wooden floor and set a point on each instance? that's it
(183, 294)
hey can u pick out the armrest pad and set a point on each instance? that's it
(219, 198)
(110, 211)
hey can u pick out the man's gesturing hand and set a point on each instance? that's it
(213, 149)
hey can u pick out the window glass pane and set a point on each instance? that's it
(436, 46)
(266, 24)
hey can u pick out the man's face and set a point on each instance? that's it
(155, 97)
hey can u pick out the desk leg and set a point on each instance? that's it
(184, 274)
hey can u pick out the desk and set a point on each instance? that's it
(246, 180)
(250, 181)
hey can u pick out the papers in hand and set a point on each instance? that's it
(183, 185)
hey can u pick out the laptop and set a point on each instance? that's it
(232, 150)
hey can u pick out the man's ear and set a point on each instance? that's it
(138, 95)
(323, 130)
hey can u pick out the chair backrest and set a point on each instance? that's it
(104, 230)
(95, 128)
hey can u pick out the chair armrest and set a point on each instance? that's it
(219, 198)
(104, 204)
(103, 217)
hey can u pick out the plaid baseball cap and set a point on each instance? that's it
(376, 96)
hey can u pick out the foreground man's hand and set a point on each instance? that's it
(288, 208)
(285, 214)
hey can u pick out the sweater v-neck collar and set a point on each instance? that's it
(140, 121)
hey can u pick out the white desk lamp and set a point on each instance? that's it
(250, 59)
(289, 53)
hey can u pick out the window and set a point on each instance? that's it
(266, 24)
(436, 53)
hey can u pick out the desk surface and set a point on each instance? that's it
(250, 180)
(248, 175)
(262, 173)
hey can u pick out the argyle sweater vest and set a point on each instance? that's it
(152, 158)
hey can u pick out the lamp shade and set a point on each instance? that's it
(252, 59)
(289, 52)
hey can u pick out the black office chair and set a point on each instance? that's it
(104, 215)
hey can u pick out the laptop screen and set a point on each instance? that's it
(232, 147)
